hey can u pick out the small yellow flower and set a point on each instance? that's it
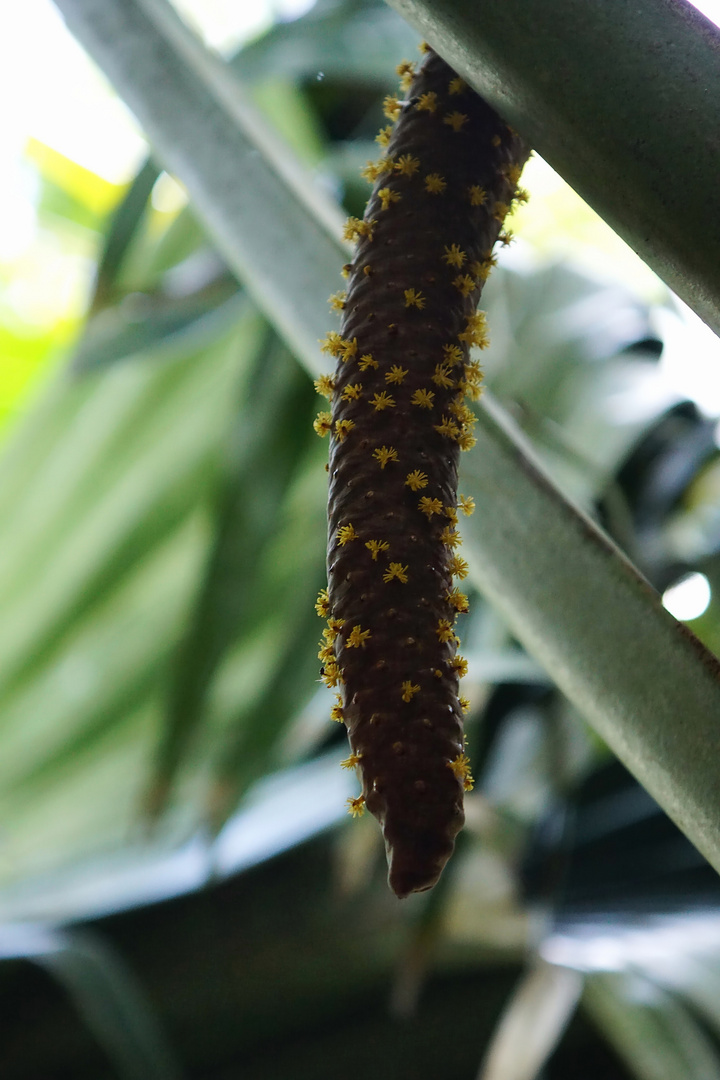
(445, 630)
(384, 135)
(391, 107)
(335, 625)
(424, 398)
(323, 423)
(356, 807)
(453, 355)
(416, 480)
(521, 196)
(450, 537)
(512, 173)
(464, 284)
(348, 349)
(396, 374)
(481, 270)
(373, 169)
(429, 506)
(387, 196)
(396, 570)
(466, 440)
(458, 567)
(459, 601)
(366, 361)
(325, 385)
(461, 767)
(351, 762)
(506, 237)
(427, 102)
(459, 664)
(456, 85)
(464, 704)
(405, 67)
(466, 504)
(461, 412)
(345, 534)
(376, 546)
(434, 184)
(414, 298)
(353, 229)
(407, 165)
(455, 120)
(500, 211)
(337, 300)
(357, 638)
(448, 428)
(331, 675)
(451, 515)
(384, 454)
(343, 428)
(408, 690)
(382, 401)
(331, 343)
(454, 256)
(327, 652)
(477, 195)
(442, 377)
(336, 712)
(322, 604)
(352, 392)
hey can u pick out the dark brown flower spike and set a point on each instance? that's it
(446, 180)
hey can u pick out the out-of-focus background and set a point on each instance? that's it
(181, 891)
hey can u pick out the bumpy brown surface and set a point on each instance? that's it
(397, 410)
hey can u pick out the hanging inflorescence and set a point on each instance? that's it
(400, 415)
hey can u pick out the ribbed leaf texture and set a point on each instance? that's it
(399, 419)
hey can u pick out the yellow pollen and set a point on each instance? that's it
(336, 712)
(422, 397)
(408, 690)
(454, 256)
(461, 767)
(351, 762)
(331, 343)
(391, 107)
(434, 184)
(342, 429)
(450, 537)
(388, 196)
(453, 355)
(416, 480)
(459, 664)
(407, 165)
(414, 298)
(323, 423)
(455, 120)
(325, 385)
(356, 807)
(396, 374)
(337, 300)
(357, 638)
(448, 428)
(445, 630)
(384, 135)
(352, 392)
(459, 601)
(376, 546)
(322, 605)
(366, 361)
(464, 284)
(427, 102)
(384, 454)
(442, 377)
(429, 506)
(396, 570)
(382, 401)
(458, 567)
(348, 349)
(345, 534)
(466, 504)
(464, 704)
